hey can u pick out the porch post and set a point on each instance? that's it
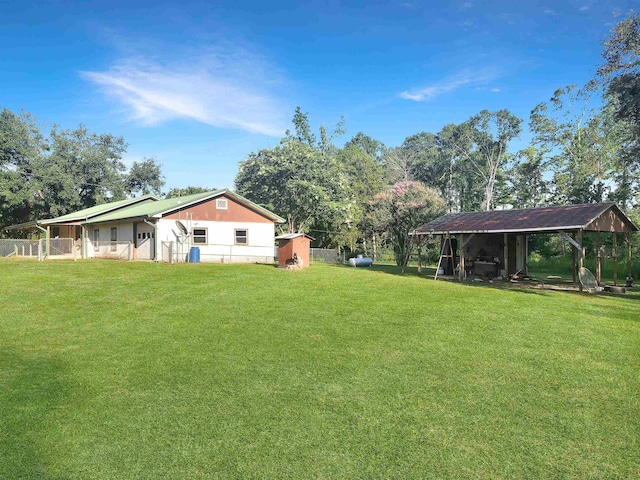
(627, 236)
(573, 259)
(581, 259)
(615, 258)
(461, 273)
(506, 255)
(598, 258)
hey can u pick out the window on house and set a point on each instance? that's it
(199, 236)
(55, 232)
(221, 204)
(242, 237)
(96, 239)
(114, 238)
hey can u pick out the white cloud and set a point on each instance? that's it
(584, 8)
(223, 88)
(463, 79)
(548, 11)
(495, 90)
(467, 5)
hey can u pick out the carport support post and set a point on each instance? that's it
(461, 273)
(627, 237)
(581, 259)
(598, 258)
(506, 255)
(573, 259)
(615, 258)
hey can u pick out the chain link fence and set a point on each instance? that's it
(327, 255)
(119, 250)
(174, 252)
(40, 249)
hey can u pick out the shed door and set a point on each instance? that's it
(144, 242)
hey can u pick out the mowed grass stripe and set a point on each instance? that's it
(138, 370)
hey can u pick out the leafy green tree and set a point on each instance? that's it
(183, 192)
(368, 145)
(581, 141)
(525, 185)
(364, 178)
(490, 134)
(145, 177)
(620, 75)
(21, 150)
(401, 208)
(295, 181)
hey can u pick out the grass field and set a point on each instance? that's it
(140, 370)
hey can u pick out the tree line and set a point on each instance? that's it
(363, 195)
(585, 148)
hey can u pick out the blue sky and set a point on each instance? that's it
(200, 85)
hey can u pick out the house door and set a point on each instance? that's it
(520, 260)
(144, 242)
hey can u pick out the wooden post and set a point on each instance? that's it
(506, 255)
(598, 258)
(573, 259)
(581, 259)
(627, 236)
(461, 273)
(615, 258)
(435, 277)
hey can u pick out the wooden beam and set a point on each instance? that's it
(461, 273)
(572, 241)
(464, 244)
(573, 260)
(627, 237)
(615, 258)
(506, 255)
(581, 258)
(598, 259)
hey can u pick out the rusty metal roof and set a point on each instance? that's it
(552, 219)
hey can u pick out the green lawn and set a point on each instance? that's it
(137, 370)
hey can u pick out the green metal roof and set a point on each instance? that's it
(98, 210)
(83, 215)
(161, 207)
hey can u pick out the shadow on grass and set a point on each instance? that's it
(537, 285)
(30, 389)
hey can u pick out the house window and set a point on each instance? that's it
(242, 237)
(114, 238)
(221, 204)
(96, 239)
(55, 232)
(199, 236)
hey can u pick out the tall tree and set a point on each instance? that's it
(490, 133)
(581, 142)
(183, 192)
(620, 75)
(145, 177)
(401, 208)
(21, 149)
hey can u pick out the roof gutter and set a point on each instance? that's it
(46, 236)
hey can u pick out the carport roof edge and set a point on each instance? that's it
(541, 219)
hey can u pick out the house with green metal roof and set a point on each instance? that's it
(70, 225)
(222, 225)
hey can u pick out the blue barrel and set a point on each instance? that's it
(194, 255)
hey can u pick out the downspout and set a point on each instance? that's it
(155, 238)
(46, 236)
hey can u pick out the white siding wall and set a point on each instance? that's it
(221, 245)
(125, 233)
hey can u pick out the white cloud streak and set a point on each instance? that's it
(463, 79)
(225, 89)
